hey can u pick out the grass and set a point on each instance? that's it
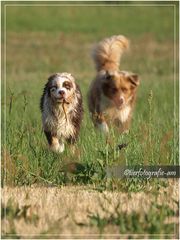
(68, 18)
(44, 40)
(38, 211)
(133, 223)
(34, 51)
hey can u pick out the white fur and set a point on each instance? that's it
(57, 122)
(124, 114)
(103, 127)
(57, 147)
(107, 107)
(58, 83)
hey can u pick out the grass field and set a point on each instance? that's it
(39, 41)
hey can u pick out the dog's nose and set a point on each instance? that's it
(61, 92)
(121, 100)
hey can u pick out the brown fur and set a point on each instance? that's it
(112, 94)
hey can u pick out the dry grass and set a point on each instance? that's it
(65, 210)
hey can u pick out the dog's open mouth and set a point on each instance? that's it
(62, 100)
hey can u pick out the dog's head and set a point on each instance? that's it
(61, 88)
(119, 87)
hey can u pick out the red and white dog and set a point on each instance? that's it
(113, 92)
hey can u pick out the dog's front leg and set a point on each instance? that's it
(71, 141)
(54, 143)
(125, 126)
(101, 124)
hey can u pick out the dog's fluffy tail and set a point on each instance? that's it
(108, 52)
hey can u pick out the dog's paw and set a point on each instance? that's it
(126, 131)
(58, 148)
(103, 127)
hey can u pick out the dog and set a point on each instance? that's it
(62, 110)
(112, 94)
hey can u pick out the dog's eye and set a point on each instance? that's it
(124, 90)
(114, 89)
(67, 87)
(53, 89)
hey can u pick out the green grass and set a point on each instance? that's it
(99, 20)
(136, 223)
(43, 40)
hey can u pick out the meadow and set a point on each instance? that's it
(41, 40)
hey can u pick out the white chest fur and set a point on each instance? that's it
(108, 108)
(56, 121)
(124, 114)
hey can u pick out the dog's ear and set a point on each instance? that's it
(134, 79)
(51, 77)
(109, 75)
(49, 83)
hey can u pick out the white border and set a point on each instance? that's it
(97, 4)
